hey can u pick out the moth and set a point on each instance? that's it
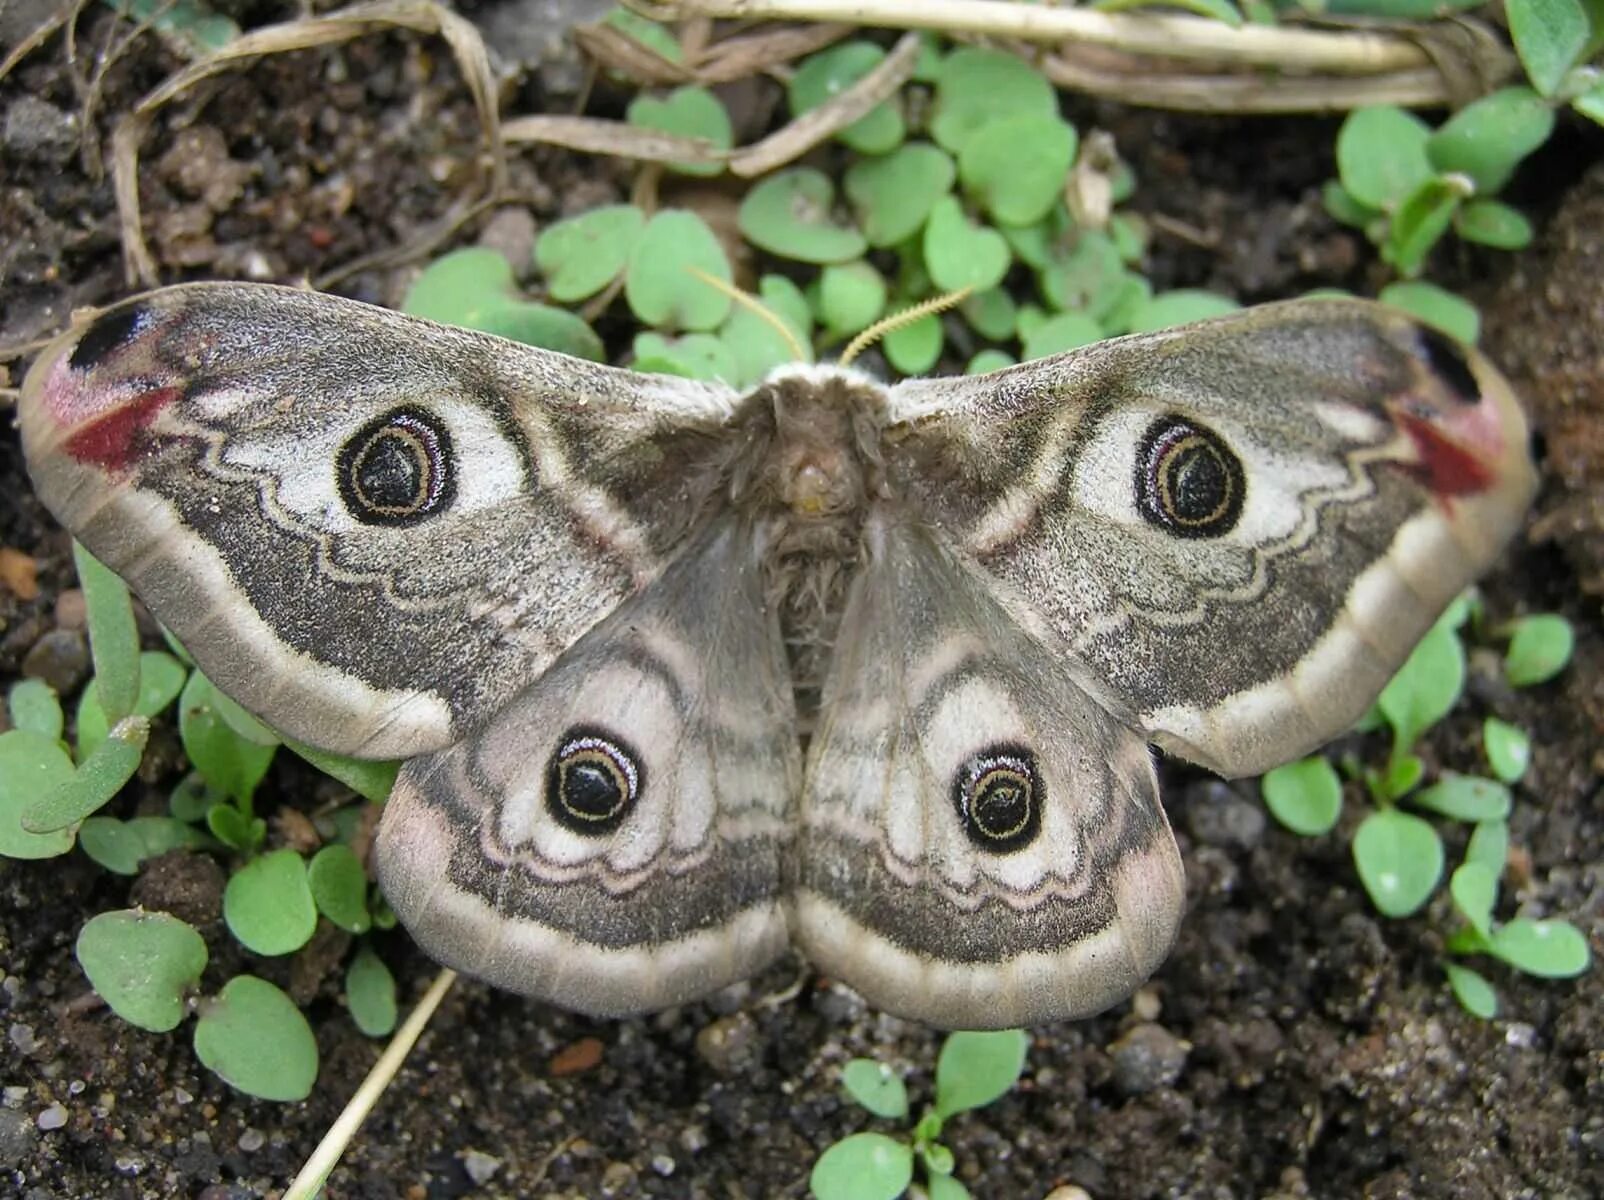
(687, 675)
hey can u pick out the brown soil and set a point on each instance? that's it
(1294, 1045)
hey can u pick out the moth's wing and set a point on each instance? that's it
(1242, 526)
(370, 529)
(612, 840)
(981, 843)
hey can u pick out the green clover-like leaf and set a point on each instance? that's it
(822, 76)
(370, 993)
(583, 254)
(893, 194)
(690, 112)
(1305, 796)
(253, 1036)
(1539, 649)
(268, 904)
(875, 1086)
(865, 1166)
(791, 214)
(1400, 859)
(142, 964)
(960, 254)
(32, 766)
(1551, 949)
(1016, 165)
(975, 85)
(974, 1069)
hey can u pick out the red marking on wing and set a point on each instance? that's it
(110, 441)
(1445, 466)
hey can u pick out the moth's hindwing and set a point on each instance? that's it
(371, 530)
(981, 842)
(613, 839)
(1243, 526)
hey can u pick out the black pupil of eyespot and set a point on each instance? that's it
(1187, 480)
(398, 470)
(1198, 483)
(393, 470)
(999, 795)
(591, 789)
(592, 782)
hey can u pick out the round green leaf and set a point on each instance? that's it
(1086, 277)
(370, 993)
(582, 255)
(974, 1069)
(33, 706)
(1426, 687)
(32, 766)
(1465, 798)
(1509, 750)
(914, 348)
(865, 1166)
(257, 1040)
(826, 74)
(1400, 860)
(1304, 796)
(992, 313)
(1474, 889)
(851, 296)
(1381, 155)
(1487, 138)
(959, 254)
(976, 85)
(789, 214)
(544, 326)
(1474, 993)
(893, 195)
(648, 33)
(1551, 949)
(121, 846)
(1180, 307)
(1493, 223)
(945, 1187)
(142, 964)
(690, 112)
(875, 1086)
(693, 356)
(659, 285)
(756, 346)
(456, 287)
(1437, 307)
(1343, 207)
(268, 904)
(1016, 165)
(1549, 36)
(1061, 332)
(1539, 649)
(340, 887)
(988, 360)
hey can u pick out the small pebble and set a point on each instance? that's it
(22, 1037)
(1069, 1192)
(1217, 815)
(481, 1167)
(53, 1117)
(729, 1044)
(17, 1136)
(60, 658)
(663, 1164)
(1147, 1056)
(39, 131)
(252, 1140)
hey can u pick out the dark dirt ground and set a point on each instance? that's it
(1294, 1045)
